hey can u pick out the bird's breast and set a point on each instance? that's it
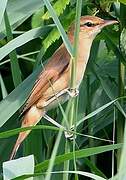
(81, 66)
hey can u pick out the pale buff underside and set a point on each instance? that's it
(82, 59)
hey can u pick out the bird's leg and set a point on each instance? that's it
(53, 121)
(42, 103)
(68, 134)
(71, 93)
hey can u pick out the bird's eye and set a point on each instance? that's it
(89, 24)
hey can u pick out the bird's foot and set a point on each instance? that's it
(70, 134)
(73, 92)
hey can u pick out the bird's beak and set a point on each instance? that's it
(108, 22)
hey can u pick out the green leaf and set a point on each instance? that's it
(37, 18)
(113, 46)
(16, 98)
(13, 132)
(122, 1)
(54, 34)
(111, 94)
(79, 154)
(15, 69)
(93, 167)
(122, 166)
(96, 112)
(3, 88)
(3, 4)
(59, 7)
(82, 173)
(22, 39)
(59, 27)
(19, 10)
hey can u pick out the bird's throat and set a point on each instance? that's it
(84, 48)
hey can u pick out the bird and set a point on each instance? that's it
(54, 81)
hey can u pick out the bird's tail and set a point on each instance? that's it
(31, 118)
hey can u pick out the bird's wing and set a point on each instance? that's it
(51, 72)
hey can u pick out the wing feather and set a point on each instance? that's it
(51, 72)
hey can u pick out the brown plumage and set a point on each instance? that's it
(55, 76)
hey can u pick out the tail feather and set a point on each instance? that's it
(13, 154)
(31, 118)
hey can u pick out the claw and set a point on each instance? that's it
(70, 135)
(73, 92)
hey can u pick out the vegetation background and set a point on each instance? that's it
(28, 37)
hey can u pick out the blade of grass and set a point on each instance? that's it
(16, 98)
(109, 91)
(66, 163)
(122, 165)
(91, 120)
(15, 69)
(74, 136)
(23, 39)
(13, 132)
(22, 56)
(120, 118)
(113, 139)
(79, 154)
(3, 88)
(121, 88)
(19, 95)
(59, 26)
(3, 4)
(72, 105)
(82, 173)
(19, 11)
(39, 57)
(33, 144)
(96, 111)
(53, 155)
(76, 43)
(94, 168)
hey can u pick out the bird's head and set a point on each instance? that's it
(90, 26)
